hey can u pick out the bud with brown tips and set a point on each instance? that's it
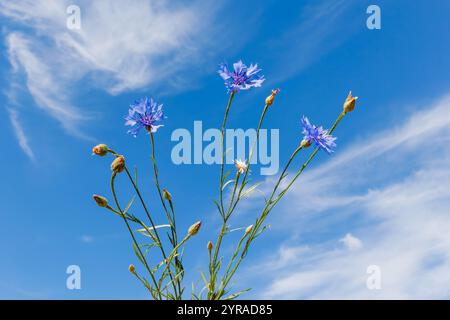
(100, 150)
(167, 195)
(305, 143)
(193, 230)
(349, 103)
(118, 164)
(101, 201)
(270, 99)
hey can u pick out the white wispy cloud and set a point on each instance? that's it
(42, 81)
(20, 134)
(392, 189)
(121, 46)
(351, 242)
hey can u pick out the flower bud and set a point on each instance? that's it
(100, 150)
(305, 143)
(101, 201)
(193, 230)
(209, 246)
(270, 99)
(167, 195)
(349, 103)
(118, 164)
(131, 268)
(248, 230)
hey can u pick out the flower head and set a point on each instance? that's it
(100, 150)
(242, 78)
(132, 268)
(270, 99)
(349, 103)
(144, 113)
(317, 135)
(241, 166)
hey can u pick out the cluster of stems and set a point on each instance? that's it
(165, 278)
(219, 282)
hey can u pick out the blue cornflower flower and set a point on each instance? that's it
(242, 78)
(317, 135)
(144, 113)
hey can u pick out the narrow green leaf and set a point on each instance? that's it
(237, 294)
(227, 183)
(128, 205)
(250, 190)
(136, 251)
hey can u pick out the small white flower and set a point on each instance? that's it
(241, 166)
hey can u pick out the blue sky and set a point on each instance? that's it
(381, 199)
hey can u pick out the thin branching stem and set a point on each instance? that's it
(170, 217)
(213, 260)
(232, 206)
(222, 133)
(160, 245)
(113, 190)
(270, 205)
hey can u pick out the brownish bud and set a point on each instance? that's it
(209, 246)
(270, 99)
(193, 230)
(167, 195)
(100, 150)
(118, 164)
(349, 103)
(131, 268)
(101, 201)
(305, 143)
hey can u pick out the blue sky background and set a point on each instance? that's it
(381, 199)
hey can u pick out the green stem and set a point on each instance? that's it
(113, 190)
(243, 183)
(213, 268)
(226, 277)
(160, 245)
(222, 164)
(236, 182)
(213, 262)
(269, 205)
(171, 218)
